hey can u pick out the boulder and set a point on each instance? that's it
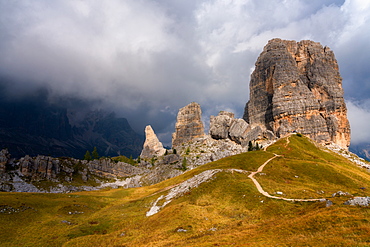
(220, 125)
(225, 126)
(171, 159)
(238, 130)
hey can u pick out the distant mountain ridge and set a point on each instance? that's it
(36, 127)
(362, 150)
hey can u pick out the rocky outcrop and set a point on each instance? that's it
(152, 146)
(204, 150)
(189, 125)
(220, 125)
(296, 86)
(42, 167)
(225, 126)
(238, 131)
(181, 189)
(358, 201)
(4, 159)
(107, 168)
(68, 169)
(60, 175)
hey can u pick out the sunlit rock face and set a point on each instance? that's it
(189, 125)
(152, 146)
(296, 86)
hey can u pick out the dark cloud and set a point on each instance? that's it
(147, 58)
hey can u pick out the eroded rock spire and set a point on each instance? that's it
(296, 86)
(189, 125)
(152, 146)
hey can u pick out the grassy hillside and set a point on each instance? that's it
(225, 211)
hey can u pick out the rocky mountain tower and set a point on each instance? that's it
(296, 87)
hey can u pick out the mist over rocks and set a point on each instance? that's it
(34, 126)
(296, 87)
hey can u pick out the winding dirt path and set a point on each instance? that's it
(256, 183)
(287, 140)
(263, 192)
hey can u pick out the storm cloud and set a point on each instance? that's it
(145, 59)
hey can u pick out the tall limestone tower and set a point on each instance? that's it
(189, 125)
(296, 86)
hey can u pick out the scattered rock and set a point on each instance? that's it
(181, 189)
(329, 203)
(358, 201)
(349, 155)
(207, 149)
(75, 212)
(340, 193)
(181, 230)
(6, 209)
(67, 222)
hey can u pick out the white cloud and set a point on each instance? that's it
(359, 117)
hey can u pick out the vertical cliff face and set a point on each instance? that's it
(189, 125)
(296, 86)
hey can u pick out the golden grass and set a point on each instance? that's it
(226, 211)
